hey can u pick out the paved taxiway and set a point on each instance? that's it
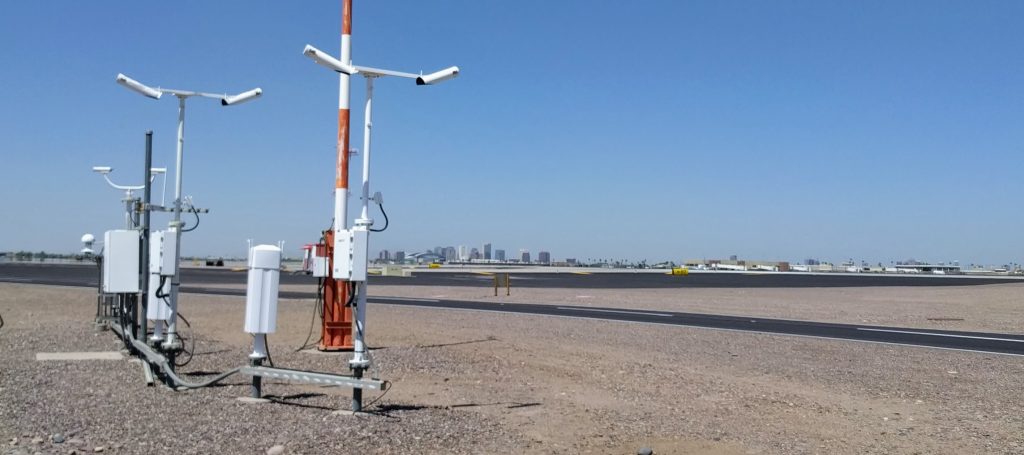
(86, 276)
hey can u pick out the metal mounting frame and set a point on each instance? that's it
(312, 377)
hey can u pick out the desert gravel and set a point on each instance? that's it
(473, 382)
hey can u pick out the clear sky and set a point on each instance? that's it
(872, 130)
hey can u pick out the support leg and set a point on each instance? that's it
(357, 393)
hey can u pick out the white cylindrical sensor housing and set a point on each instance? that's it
(261, 295)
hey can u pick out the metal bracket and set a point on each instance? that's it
(160, 208)
(313, 377)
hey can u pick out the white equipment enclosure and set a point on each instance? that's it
(161, 253)
(121, 261)
(261, 295)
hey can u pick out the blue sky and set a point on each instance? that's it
(659, 130)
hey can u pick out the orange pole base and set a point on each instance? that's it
(336, 330)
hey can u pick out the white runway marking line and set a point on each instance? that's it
(940, 335)
(664, 315)
(410, 299)
(102, 355)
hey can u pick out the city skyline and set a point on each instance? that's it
(460, 253)
(451, 254)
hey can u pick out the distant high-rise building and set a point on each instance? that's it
(385, 255)
(463, 253)
(474, 254)
(487, 251)
(544, 257)
(439, 251)
(571, 261)
(524, 256)
(450, 253)
(499, 255)
(399, 256)
(732, 257)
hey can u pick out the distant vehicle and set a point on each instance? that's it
(738, 268)
(219, 262)
(764, 268)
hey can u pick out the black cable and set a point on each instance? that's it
(351, 294)
(387, 385)
(158, 295)
(191, 337)
(266, 342)
(1, 322)
(122, 320)
(192, 209)
(318, 308)
(385, 219)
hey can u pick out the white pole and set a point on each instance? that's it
(128, 209)
(163, 192)
(367, 125)
(172, 324)
(259, 346)
(158, 329)
(359, 358)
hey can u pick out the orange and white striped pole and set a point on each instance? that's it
(341, 175)
(337, 322)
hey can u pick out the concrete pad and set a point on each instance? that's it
(101, 355)
(251, 400)
(347, 412)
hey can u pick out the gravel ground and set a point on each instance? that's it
(472, 382)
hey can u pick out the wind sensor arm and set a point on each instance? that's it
(124, 187)
(106, 170)
(326, 60)
(155, 93)
(421, 79)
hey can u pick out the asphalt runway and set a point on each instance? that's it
(995, 343)
(87, 275)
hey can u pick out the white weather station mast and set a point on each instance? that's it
(348, 251)
(140, 276)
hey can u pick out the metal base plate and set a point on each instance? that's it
(312, 377)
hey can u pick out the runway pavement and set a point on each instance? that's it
(87, 275)
(965, 341)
